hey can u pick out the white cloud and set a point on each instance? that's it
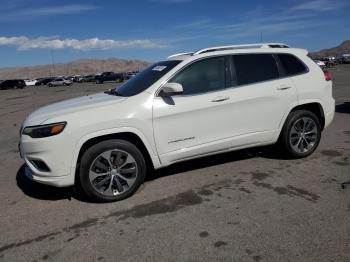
(56, 10)
(270, 25)
(194, 24)
(25, 43)
(318, 5)
(26, 13)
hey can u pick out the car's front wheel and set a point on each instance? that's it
(112, 170)
(301, 134)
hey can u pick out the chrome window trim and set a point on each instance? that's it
(237, 86)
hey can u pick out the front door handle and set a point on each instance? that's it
(283, 87)
(220, 98)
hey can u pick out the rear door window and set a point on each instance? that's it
(291, 64)
(253, 68)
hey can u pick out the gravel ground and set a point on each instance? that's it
(247, 205)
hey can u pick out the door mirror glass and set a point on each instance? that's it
(171, 88)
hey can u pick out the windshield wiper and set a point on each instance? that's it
(112, 92)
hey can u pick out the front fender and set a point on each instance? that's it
(113, 131)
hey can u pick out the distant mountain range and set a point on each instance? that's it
(93, 66)
(343, 48)
(78, 67)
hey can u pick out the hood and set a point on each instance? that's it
(69, 106)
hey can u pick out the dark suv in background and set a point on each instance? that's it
(44, 81)
(109, 76)
(12, 84)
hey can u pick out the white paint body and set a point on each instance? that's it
(31, 82)
(249, 115)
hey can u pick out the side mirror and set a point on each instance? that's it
(171, 89)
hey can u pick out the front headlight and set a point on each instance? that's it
(44, 130)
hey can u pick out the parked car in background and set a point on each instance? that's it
(78, 79)
(89, 78)
(320, 63)
(12, 84)
(60, 82)
(344, 59)
(44, 81)
(131, 75)
(109, 76)
(329, 61)
(30, 82)
(70, 78)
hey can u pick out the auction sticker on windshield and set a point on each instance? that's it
(159, 68)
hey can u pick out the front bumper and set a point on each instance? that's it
(55, 152)
(60, 181)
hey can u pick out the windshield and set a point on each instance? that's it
(145, 79)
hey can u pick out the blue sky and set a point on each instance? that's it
(30, 30)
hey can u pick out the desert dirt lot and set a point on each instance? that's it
(248, 205)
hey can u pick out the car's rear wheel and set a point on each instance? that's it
(112, 170)
(301, 134)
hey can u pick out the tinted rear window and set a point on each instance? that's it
(291, 64)
(146, 78)
(252, 68)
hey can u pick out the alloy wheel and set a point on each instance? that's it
(113, 172)
(303, 135)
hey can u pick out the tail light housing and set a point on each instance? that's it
(327, 76)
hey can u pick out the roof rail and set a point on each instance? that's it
(188, 53)
(229, 47)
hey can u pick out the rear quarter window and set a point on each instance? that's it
(291, 64)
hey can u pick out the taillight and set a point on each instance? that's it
(327, 76)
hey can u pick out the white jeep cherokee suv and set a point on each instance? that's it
(190, 105)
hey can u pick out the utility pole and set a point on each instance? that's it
(53, 63)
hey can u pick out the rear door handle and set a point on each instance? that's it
(283, 87)
(220, 98)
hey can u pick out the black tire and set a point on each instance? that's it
(90, 156)
(50, 85)
(285, 141)
(119, 80)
